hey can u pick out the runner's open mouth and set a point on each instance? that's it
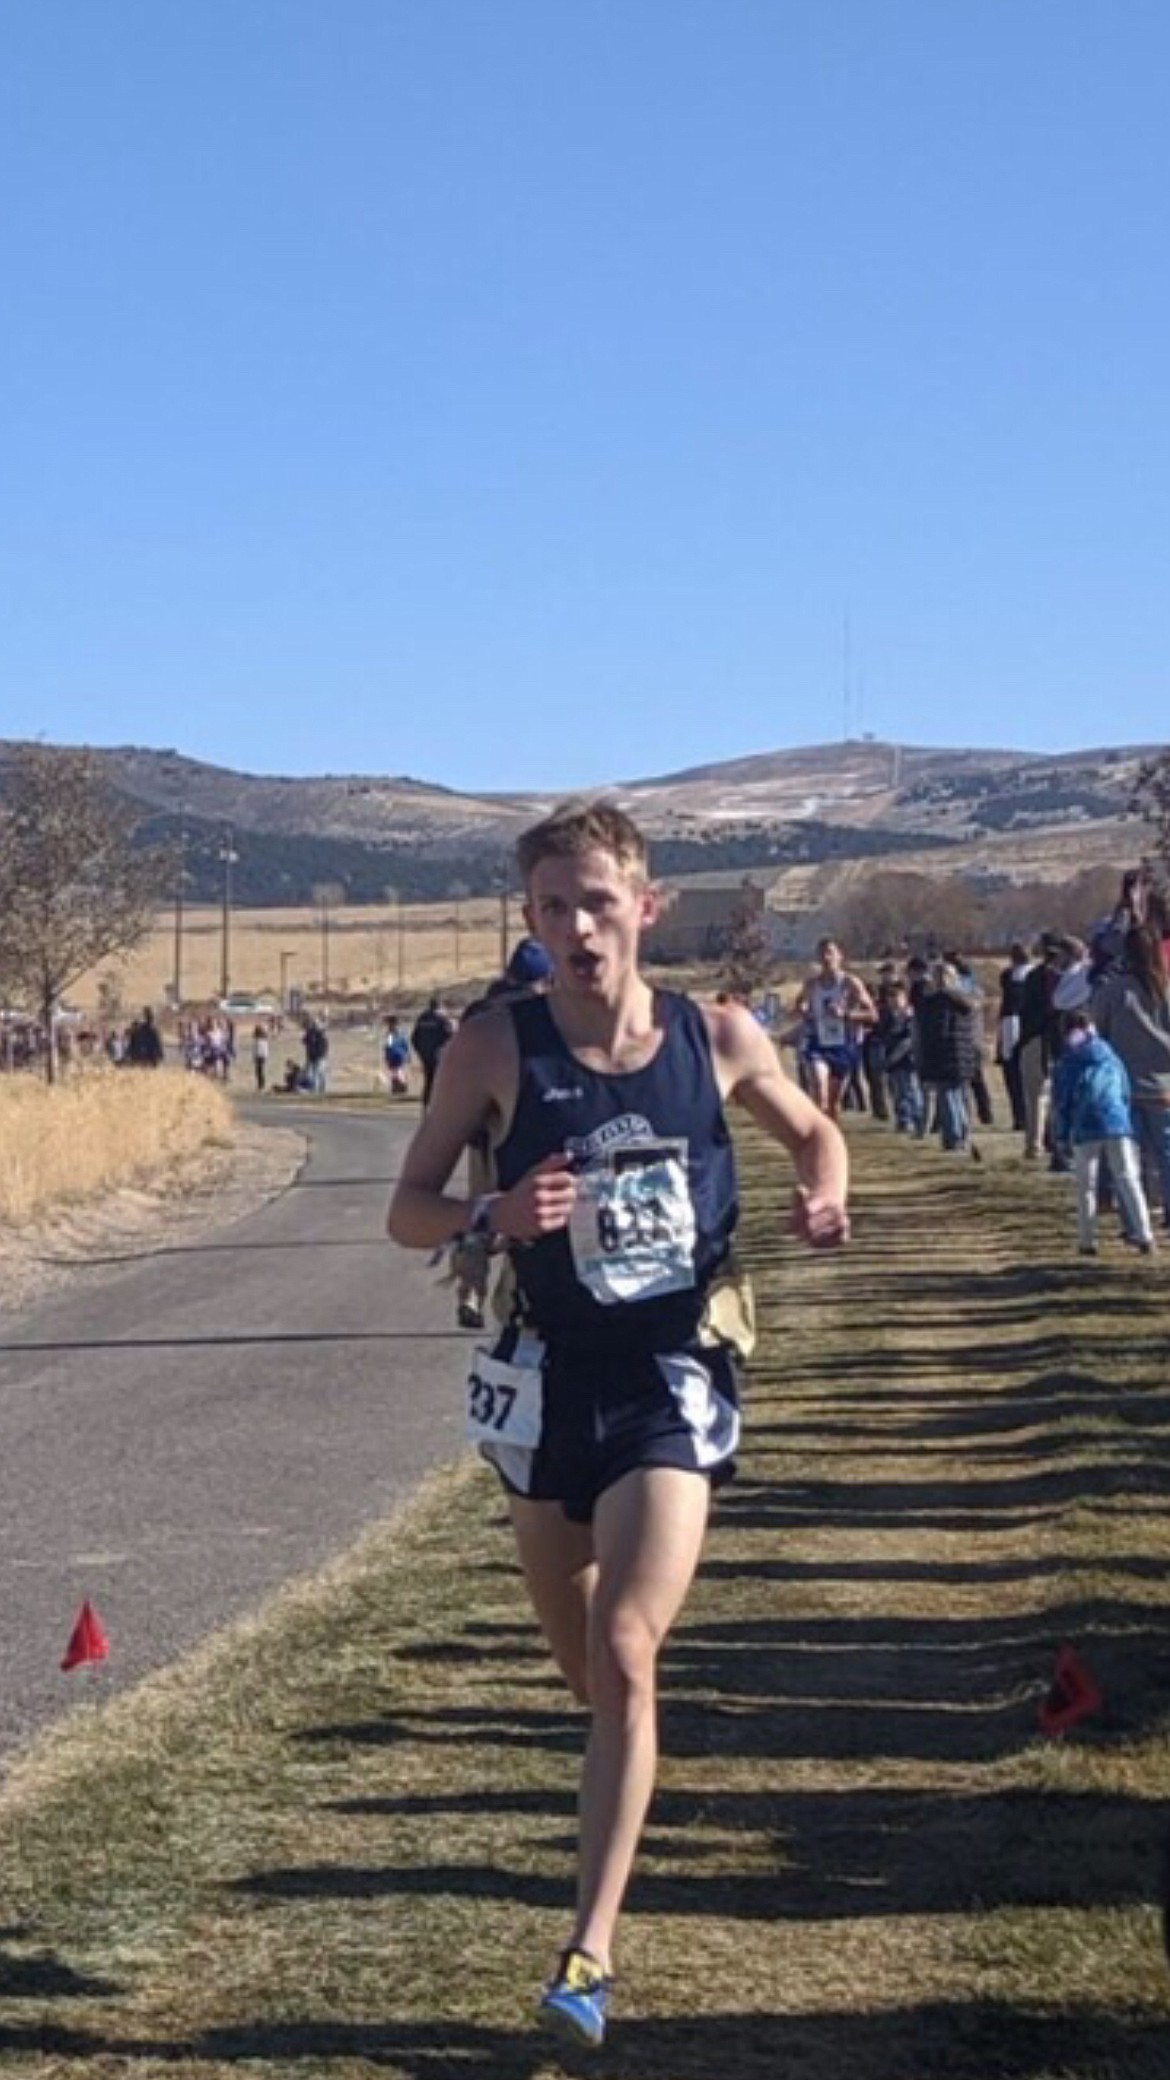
(584, 966)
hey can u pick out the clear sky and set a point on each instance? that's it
(541, 392)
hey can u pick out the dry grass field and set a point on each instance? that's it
(98, 1130)
(340, 1841)
(365, 952)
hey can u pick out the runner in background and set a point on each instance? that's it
(838, 1008)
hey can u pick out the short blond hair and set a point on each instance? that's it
(582, 825)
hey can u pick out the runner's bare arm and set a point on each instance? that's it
(473, 1069)
(475, 1088)
(750, 1072)
(862, 1008)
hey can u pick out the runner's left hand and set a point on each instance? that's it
(822, 1223)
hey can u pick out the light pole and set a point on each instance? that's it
(180, 878)
(227, 857)
(458, 892)
(326, 894)
(394, 895)
(287, 954)
(502, 879)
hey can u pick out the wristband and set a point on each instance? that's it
(481, 1227)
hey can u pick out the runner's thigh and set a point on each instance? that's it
(648, 1533)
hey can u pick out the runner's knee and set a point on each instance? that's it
(623, 1659)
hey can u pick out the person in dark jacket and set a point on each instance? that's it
(1040, 1039)
(144, 1048)
(1007, 1035)
(431, 1031)
(946, 1023)
(896, 1028)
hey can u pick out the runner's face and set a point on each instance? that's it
(588, 914)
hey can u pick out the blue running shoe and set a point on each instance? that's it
(575, 2001)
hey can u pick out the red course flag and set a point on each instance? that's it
(1072, 1695)
(87, 1641)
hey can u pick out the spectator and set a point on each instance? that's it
(946, 1025)
(1039, 1040)
(260, 1049)
(1091, 1115)
(1132, 1011)
(144, 1047)
(1007, 1034)
(396, 1055)
(433, 1028)
(896, 1027)
(315, 1041)
(984, 1110)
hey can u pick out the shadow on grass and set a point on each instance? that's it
(43, 1976)
(976, 2040)
(835, 1856)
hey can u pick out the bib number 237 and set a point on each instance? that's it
(505, 1402)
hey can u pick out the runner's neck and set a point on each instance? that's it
(613, 1037)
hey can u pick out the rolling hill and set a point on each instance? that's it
(853, 801)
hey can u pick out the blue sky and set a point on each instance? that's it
(525, 393)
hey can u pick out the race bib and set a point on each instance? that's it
(832, 1029)
(632, 1228)
(505, 1398)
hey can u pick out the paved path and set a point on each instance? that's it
(179, 1440)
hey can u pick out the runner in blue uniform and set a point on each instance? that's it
(608, 1405)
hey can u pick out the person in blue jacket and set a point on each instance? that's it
(1091, 1115)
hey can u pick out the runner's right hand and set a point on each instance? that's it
(539, 1204)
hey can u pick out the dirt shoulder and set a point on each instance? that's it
(101, 1237)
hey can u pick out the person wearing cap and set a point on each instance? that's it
(529, 967)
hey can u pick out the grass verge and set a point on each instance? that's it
(339, 1841)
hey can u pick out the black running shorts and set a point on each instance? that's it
(603, 1416)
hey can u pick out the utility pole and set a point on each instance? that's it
(394, 895)
(327, 895)
(458, 891)
(227, 857)
(287, 954)
(502, 890)
(180, 878)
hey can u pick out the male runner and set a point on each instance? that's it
(609, 1405)
(836, 1005)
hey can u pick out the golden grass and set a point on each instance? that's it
(100, 1129)
(340, 1841)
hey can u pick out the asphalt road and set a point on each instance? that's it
(180, 1439)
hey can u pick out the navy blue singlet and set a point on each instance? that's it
(563, 1106)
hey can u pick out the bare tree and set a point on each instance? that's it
(74, 887)
(888, 911)
(747, 958)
